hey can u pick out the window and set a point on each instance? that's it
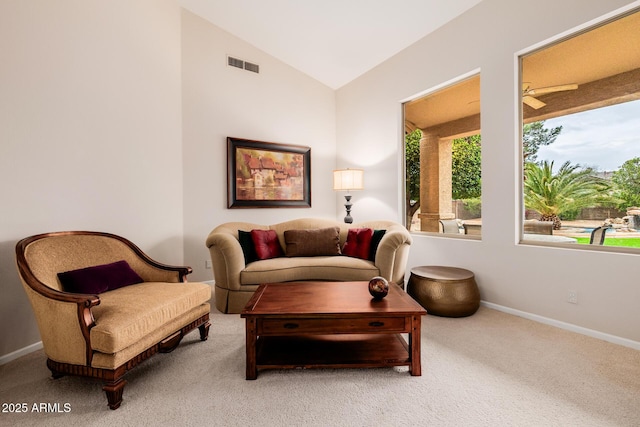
(443, 160)
(581, 138)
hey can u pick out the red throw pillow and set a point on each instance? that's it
(266, 244)
(358, 243)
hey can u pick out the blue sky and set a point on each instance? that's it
(604, 138)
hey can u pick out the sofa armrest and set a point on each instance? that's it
(393, 253)
(227, 259)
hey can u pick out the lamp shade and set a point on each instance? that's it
(348, 179)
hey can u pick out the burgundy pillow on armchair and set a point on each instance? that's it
(99, 278)
(266, 244)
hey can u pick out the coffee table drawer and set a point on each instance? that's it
(351, 325)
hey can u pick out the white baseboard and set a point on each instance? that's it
(568, 326)
(19, 353)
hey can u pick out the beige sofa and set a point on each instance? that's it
(235, 282)
(93, 331)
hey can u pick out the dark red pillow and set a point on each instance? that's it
(266, 244)
(99, 278)
(358, 243)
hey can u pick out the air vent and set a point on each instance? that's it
(235, 62)
(243, 65)
(252, 67)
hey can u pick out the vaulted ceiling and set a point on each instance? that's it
(333, 41)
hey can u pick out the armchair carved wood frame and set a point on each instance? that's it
(39, 283)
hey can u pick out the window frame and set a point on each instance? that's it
(475, 73)
(519, 59)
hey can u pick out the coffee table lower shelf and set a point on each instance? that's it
(332, 351)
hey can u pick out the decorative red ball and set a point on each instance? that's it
(378, 287)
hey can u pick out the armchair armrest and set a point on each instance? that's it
(72, 312)
(151, 270)
(163, 272)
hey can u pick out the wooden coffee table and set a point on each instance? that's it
(330, 325)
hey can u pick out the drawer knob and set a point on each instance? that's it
(290, 325)
(376, 323)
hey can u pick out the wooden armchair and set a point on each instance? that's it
(106, 332)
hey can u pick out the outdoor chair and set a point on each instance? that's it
(598, 235)
(450, 226)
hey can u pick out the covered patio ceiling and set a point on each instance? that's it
(604, 62)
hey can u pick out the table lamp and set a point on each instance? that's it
(347, 180)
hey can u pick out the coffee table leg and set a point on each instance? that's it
(415, 346)
(252, 337)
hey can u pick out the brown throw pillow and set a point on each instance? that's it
(315, 242)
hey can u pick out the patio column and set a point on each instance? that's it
(435, 181)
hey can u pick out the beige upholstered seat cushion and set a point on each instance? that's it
(127, 315)
(113, 360)
(335, 268)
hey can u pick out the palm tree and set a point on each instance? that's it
(571, 188)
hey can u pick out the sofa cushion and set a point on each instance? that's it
(315, 242)
(358, 243)
(375, 242)
(332, 268)
(99, 278)
(266, 244)
(248, 248)
(127, 315)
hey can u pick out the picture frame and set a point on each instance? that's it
(267, 174)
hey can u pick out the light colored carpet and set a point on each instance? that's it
(490, 369)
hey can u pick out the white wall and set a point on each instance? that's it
(279, 104)
(530, 279)
(90, 132)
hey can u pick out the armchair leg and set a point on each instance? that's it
(55, 373)
(114, 391)
(204, 330)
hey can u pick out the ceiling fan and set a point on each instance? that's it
(528, 93)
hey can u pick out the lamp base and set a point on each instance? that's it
(348, 219)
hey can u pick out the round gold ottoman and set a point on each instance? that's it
(444, 291)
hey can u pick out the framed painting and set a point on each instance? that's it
(267, 175)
